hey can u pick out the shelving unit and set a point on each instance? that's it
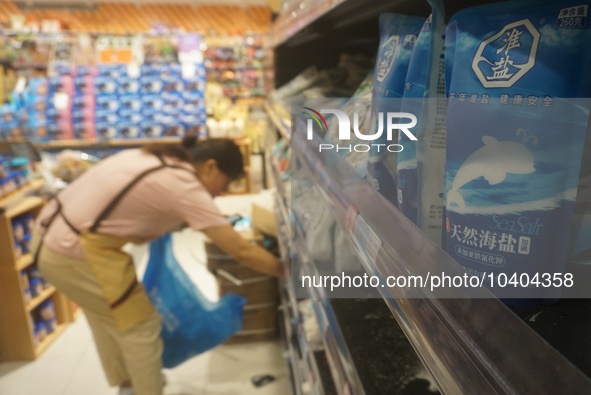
(16, 331)
(237, 64)
(466, 339)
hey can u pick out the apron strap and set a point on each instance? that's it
(113, 204)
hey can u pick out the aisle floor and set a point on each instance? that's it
(71, 366)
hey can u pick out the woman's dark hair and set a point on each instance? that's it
(225, 152)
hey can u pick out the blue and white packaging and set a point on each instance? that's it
(150, 116)
(421, 165)
(130, 116)
(131, 102)
(194, 84)
(113, 72)
(172, 127)
(518, 111)
(398, 34)
(150, 85)
(106, 131)
(173, 84)
(149, 70)
(105, 85)
(414, 91)
(149, 129)
(128, 86)
(152, 103)
(107, 103)
(128, 130)
(106, 117)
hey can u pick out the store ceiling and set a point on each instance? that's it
(246, 3)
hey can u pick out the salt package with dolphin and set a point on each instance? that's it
(518, 110)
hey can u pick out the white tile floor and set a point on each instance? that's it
(71, 366)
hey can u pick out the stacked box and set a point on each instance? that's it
(261, 293)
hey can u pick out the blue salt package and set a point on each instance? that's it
(398, 34)
(518, 111)
(414, 91)
(424, 187)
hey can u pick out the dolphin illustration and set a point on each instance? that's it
(493, 162)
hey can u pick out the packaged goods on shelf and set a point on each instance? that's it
(425, 97)
(414, 90)
(511, 183)
(398, 34)
(360, 103)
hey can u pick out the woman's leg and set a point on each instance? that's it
(134, 354)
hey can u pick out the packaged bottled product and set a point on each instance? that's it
(398, 34)
(518, 111)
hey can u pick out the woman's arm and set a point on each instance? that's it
(246, 253)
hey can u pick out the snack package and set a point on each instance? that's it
(398, 34)
(518, 112)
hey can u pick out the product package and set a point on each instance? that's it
(398, 34)
(518, 112)
(414, 91)
(360, 103)
(421, 164)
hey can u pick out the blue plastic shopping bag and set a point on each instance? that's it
(191, 324)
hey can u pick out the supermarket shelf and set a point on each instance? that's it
(28, 204)
(8, 203)
(463, 348)
(50, 339)
(63, 144)
(295, 19)
(43, 296)
(24, 261)
(304, 21)
(281, 125)
(343, 371)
